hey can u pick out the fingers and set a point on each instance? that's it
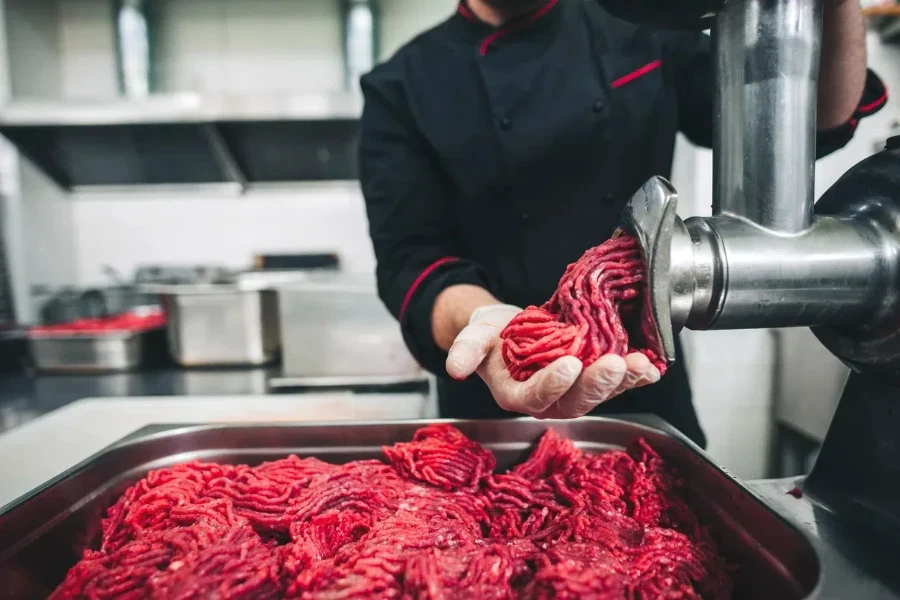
(597, 384)
(536, 395)
(608, 377)
(547, 386)
(469, 349)
(639, 372)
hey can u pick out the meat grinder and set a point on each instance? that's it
(770, 256)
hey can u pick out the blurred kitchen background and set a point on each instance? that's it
(202, 152)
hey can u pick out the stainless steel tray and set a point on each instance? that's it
(43, 534)
(340, 328)
(221, 325)
(82, 353)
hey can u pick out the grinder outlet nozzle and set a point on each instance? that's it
(650, 216)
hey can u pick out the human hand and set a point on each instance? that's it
(561, 390)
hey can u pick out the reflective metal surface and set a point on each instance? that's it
(134, 47)
(841, 275)
(346, 381)
(340, 329)
(229, 139)
(764, 260)
(95, 353)
(870, 192)
(360, 40)
(855, 566)
(833, 273)
(25, 395)
(183, 107)
(651, 216)
(42, 534)
(767, 62)
(221, 325)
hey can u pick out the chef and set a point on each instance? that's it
(501, 144)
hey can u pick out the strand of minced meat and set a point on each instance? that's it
(434, 522)
(595, 305)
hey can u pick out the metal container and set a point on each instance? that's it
(44, 533)
(339, 329)
(219, 325)
(81, 353)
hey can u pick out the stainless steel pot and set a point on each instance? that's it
(218, 325)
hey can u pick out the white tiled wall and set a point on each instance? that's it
(172, 229)
(294, 46)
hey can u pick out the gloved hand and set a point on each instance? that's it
(561, 390)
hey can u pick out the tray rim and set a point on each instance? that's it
(647, 422)
(156, 430)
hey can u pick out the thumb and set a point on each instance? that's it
(469, 349)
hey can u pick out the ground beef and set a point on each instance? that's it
(435, 522)
(594, 311)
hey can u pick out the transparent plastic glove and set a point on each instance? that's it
(561, 390)
(610, 376)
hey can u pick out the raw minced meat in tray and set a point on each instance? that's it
(432, 521)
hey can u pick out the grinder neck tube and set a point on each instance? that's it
(766, 55)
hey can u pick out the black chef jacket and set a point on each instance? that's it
(497, 156)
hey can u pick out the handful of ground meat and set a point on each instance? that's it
(435, 522)
(594, 311)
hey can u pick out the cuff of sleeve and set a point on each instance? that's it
(874, 98)
(415, 320)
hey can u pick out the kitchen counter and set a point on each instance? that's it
(37, 451)
(24, 397)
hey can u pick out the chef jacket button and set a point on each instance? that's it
(504, 123)
(609, 199)
(598, 106)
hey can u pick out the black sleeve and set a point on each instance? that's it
(410, 223)
(691, 72)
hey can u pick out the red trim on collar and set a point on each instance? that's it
(467, 14)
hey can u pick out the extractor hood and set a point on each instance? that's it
(144, 138)
(188, 139)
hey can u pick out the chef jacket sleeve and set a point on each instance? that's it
(406, 194)
(690, 55)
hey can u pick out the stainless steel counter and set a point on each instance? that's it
(855, 567)
(26, 396)
(36, 451)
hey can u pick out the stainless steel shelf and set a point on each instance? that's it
(187, 140)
